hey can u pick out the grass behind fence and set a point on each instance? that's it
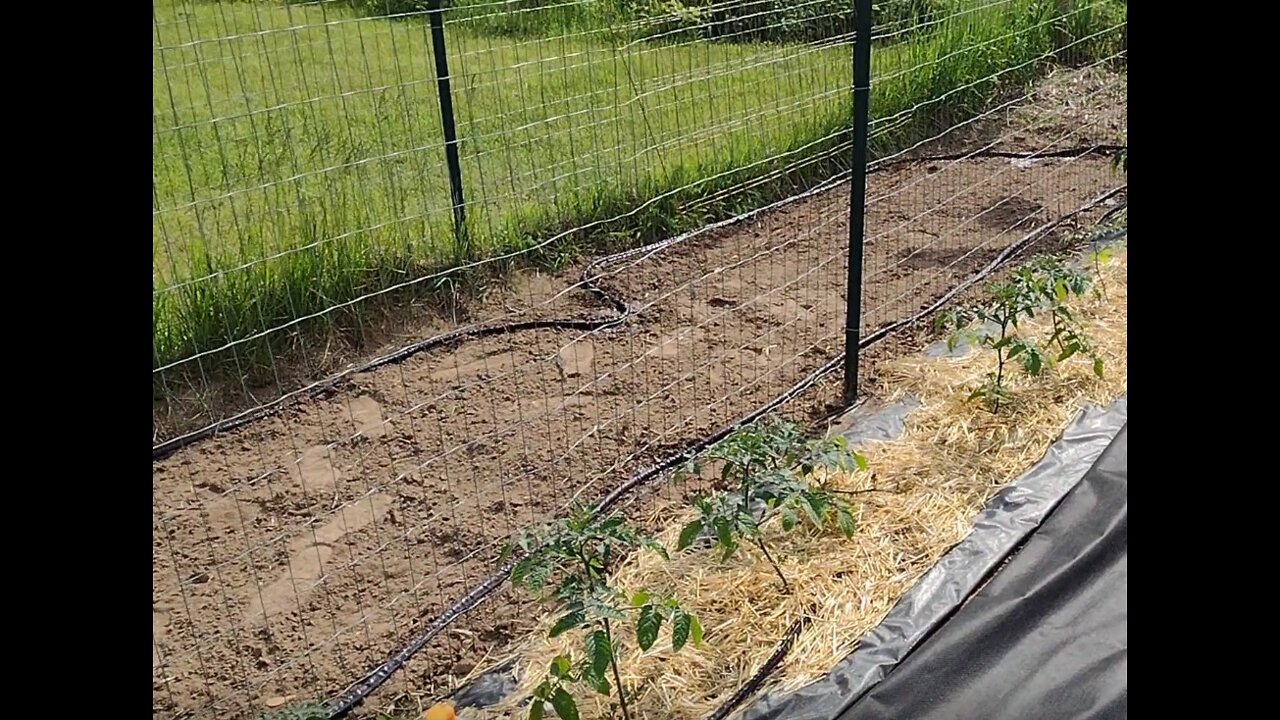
(322, 178)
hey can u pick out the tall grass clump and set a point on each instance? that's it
(298, 163)
(514, 18)
(681, 20)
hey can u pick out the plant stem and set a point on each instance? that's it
(1097, 270)
(746, 489)
(746, 507)
(1000, 366)
(586, 565)
(617, 677)
(999, 374)
(786, 587)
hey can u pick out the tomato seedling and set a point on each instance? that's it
(1041, 286)
(566, 563)
(767, 466)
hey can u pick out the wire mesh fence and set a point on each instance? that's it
(373, 364)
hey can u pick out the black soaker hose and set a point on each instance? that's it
(622, 312)
(753, 685)
(361, 689)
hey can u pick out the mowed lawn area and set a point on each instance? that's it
(298, 152)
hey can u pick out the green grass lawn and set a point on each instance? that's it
(298, 157)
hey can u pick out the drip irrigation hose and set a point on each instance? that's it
(361, 689)
(622, 312)
(1073, 152)
(753, 685)
(1110, 214)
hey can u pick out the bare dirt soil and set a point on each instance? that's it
(293, 554)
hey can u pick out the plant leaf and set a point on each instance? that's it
(599, 652)
(789, 520)
(566, 707)
(1032, 364)
(529, 573)
(597, 681)
(689, 535)
(560, 667)
(724, 533)
(860, 461)
(647, 627)
(569, 621)
(847, 524)
(681, 626)
(1097, 366)
(508, 550)
(537, 710)
(657, 548)
(601, 606)
(695, 630)
(814, 508)
(640, 599)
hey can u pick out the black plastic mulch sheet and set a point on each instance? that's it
(1015, 516)
(1048, 637)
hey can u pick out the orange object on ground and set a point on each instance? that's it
(440, 712)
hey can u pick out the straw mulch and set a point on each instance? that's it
(954, 456)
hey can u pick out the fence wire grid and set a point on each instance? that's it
(426, 275)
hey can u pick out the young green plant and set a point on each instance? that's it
(1042, 286)
(1056, 282)
(767, 467)
(1101, 256)
(567, 563)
